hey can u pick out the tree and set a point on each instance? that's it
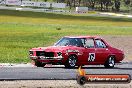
(117, 5)
(105, 4)
(127, 2)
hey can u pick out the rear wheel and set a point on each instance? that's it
(39, 64)
(110, 62)
(71, 62)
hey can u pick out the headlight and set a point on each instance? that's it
(59, 53)
(31, 53)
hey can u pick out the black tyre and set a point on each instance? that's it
(39, 64)
(110, 62)
(71, 62)
(81, 80)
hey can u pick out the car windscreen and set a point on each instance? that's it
(79, 42)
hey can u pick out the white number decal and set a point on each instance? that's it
(91, 57)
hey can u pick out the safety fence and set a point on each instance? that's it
(32, 3)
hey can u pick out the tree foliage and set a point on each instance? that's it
(100, 5)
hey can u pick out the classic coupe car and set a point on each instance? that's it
(77, 51)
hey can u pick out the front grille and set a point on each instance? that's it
(49, 54)
(40, 53)
(46, 54)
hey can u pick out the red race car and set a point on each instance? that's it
(77, 51)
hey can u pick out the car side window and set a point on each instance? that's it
(100, 44)
(89, 43)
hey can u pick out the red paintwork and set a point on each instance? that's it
(82, 53)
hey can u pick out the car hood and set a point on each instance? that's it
(51, 48)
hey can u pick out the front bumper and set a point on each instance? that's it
(46, 58)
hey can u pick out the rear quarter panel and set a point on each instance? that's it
(119, 55)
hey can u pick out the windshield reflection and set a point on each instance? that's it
(79, 42)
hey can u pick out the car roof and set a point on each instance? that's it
(82, 36)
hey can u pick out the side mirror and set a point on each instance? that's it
(86, 46)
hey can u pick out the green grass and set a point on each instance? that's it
(21, 31)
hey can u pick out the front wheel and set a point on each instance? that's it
(39, 64)
(110, 62)
(71, 62)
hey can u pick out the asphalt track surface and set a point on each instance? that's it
(58, 72)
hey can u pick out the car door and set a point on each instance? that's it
(101, 50)
(89, 51)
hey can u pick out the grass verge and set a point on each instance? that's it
(20, 31)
